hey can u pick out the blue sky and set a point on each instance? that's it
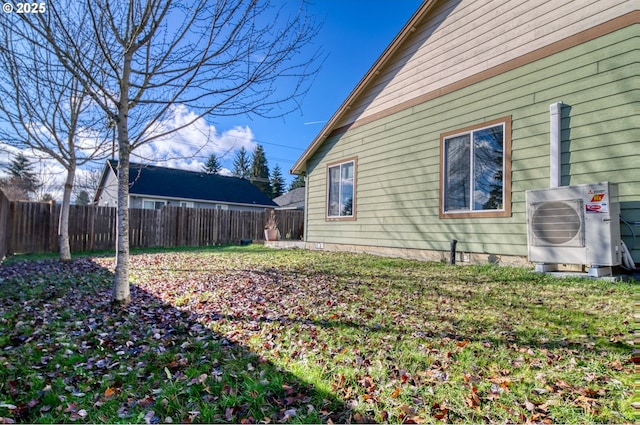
(354, 35)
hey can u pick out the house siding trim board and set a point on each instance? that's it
(398, 177)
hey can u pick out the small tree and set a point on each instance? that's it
(83, 198)
(212, 166)
(88, 181)
(22, 177)
(260, 171)
(297, 182)
(241, 165)
(45, 108)
(277, 182)
(214, 58)
(47, 197)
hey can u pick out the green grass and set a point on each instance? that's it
(250, 334)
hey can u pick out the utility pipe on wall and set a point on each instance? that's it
(555, 139)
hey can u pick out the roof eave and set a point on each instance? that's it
(407, 30)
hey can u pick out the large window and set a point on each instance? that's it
(475, 176)
(341, 190)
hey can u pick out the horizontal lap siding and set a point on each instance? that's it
(464, 37)
(399, 159)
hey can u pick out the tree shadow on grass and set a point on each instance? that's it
(260, 302)
(71, 355)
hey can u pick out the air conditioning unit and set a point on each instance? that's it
(574, 225)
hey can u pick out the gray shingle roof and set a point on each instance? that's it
(157, 181)
(292, 199)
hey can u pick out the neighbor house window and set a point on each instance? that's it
(149, 204)
(341, 190)
(476, 168)
(186, 204)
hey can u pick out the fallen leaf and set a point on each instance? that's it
(529, 406)
(290, 413)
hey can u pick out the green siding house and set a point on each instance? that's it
(454, 122)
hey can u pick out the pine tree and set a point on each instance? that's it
(212, 166)
(241, 165)
(277, 182)
(22, 177)
(297, 182)
(260, 171)
(83, 198)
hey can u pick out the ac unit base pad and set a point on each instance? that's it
(546, 267)
(600, 271)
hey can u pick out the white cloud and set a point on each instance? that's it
(191, 145)
(187, 149)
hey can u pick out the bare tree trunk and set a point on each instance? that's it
(63, 225)
(121, 290)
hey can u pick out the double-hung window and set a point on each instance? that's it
(475, 175)
(341, 190)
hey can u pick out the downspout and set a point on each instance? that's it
(555, 139)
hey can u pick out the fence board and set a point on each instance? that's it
(4, 225)
(33, 226)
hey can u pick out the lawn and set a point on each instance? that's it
(253, 335)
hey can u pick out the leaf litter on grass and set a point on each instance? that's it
(310, 337)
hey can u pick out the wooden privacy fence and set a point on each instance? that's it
(4, 225)
(33, 227)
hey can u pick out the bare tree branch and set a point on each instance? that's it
(214, 57)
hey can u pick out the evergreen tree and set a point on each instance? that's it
(241, 165)
(297, 182)
(83, 198)
(260, 171)
(47, 197)
(212, 166)
(277, 182)
(22, 177)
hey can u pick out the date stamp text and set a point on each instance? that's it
(24, 8)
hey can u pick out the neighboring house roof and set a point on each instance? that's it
(407, 30)
(163, 182)
(294, 199)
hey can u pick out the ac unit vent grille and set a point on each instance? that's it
(558, 223)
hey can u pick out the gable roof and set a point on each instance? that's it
(386, 56)
(152, 180)
(292, 199)
(440, 26)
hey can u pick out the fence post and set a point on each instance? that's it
(4, 225)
